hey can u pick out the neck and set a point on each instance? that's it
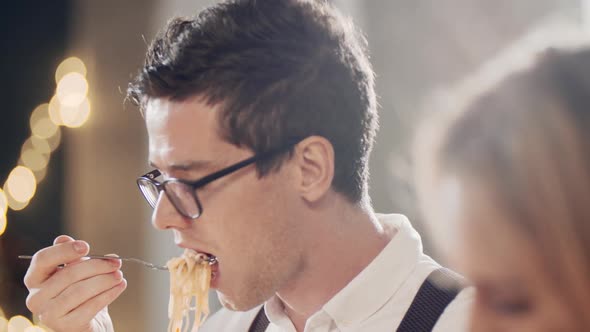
(343, 240)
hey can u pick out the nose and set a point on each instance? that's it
(165, 215)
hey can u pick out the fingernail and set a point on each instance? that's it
(114, 262)
(80, 246)
(62, 239)
(123, 283)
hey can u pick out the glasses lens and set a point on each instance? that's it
(184, 198)
(149, 190)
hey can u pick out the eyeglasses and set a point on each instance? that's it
(183, 194)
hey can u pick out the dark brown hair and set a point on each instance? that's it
(281, 70)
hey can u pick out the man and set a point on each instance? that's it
(261, 116)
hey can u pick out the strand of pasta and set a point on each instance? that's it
(190, 276)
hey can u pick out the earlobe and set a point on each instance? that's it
(315, 158)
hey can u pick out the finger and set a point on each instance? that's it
(62, 279)
(82, 291)
(45, 261)
(89, 309)
(63, 239)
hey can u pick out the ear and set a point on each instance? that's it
(315, 165)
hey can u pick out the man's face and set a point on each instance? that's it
(248, 223)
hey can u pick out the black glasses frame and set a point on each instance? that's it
(150, 178)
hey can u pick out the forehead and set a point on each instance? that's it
(181, 130)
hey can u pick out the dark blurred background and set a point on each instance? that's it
(33, 42)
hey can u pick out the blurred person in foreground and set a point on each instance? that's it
(506, 185)
(275, 99)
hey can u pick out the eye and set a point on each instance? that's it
(507, 304)
(511, 306)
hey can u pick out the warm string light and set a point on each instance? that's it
(2, 221)
(19, 324)
(69, 107)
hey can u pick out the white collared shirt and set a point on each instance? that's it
(375, 300)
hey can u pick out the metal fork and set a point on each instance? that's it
(126, 259)
(210, 260)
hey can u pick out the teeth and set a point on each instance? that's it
(211, 259)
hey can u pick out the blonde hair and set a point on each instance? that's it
(527, 140)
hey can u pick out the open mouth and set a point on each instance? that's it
(213, 263)
(205, 257)
(202, 256)
(209, 258)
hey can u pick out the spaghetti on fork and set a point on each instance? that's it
(190, 277)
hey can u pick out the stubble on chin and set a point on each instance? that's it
(281, 265)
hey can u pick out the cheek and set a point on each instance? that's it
(481, 320)
(247, 213)
(552, 312)
(484, 318)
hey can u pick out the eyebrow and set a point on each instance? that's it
(186, 166)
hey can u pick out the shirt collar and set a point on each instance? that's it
(374, 285)
(275, 312)
(381, 279)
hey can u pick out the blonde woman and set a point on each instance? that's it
(506, 184)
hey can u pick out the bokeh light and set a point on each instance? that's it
(34, 159)
(75, 116)
(4, 207)
(54, 140)
(3, 223)
(34, 329)
(21, 184)
(72, 89)
(44, 128)
(54, 111)
(39, 324)
(35, 153)
(39, 144)
(3, 323)
(68, 107)
(18, 324)
(40, 174)
(13, 204)
(69, 65)
(41, 124)
(40, 112)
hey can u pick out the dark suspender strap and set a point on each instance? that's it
(435, 294)
(260, 322)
